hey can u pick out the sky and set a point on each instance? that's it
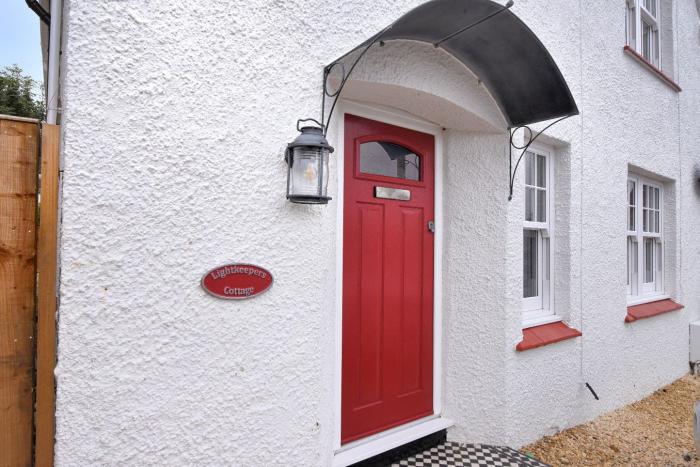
(20, 40)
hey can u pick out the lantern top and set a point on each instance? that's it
(311, 136)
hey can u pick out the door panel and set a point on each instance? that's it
(371, 263)
(411, 325)
(387, 373)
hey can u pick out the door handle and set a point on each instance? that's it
(431, 226)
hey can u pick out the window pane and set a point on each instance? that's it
(541, 171)
(530, 263)
(656, 224)
(631, 25)
(645, 220)
(390, 160)
(652, 227)
(656, 198)
(645, 199)
(648, 260)
(545, 261)
(529, 168)
(659, 265)
(631, 199)
(632, 265)
(545, 275)
(646, 41)
(650, 6)
(541, 206)
(630, 222)
(530, 204)
(630, 193)
(629, 259)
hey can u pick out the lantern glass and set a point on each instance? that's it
(309, 171)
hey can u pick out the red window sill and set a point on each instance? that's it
(651, 67)
(647, 310)
(539, 336)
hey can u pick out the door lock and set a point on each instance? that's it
(431, 226)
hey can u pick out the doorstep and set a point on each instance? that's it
(391, 439)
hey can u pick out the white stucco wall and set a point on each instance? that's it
(689, 196)
(175, 118)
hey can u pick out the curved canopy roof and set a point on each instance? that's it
(499, 48)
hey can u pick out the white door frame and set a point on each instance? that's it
(417, 429)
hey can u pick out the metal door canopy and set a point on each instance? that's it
(498, 48)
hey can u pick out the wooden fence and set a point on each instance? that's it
(27, 290)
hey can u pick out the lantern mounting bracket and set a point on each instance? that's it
(308, 120)
(531, 137)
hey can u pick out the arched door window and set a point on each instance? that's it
(389, 160)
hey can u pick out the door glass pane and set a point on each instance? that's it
(648, 260)
(541, 206)
(530, 204)
(530, 263)
(541, 171)
(390, 160)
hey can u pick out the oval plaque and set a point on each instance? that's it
(237, 281)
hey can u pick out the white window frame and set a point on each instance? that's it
(540, 309)
(638, 290)
(637, 14)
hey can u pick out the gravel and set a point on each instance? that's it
(656, 431)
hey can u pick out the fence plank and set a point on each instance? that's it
(18, 154)
(46, 293)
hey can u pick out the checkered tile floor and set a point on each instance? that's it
(451, 454)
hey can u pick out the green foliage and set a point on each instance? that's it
(17, 94)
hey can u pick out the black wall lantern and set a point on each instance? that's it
(307, 165)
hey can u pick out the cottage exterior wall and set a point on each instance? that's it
(175, 118)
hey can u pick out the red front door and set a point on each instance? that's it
(387, 376)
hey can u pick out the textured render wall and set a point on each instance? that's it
(176, 116)
(689, 189)
(175, 119)
(475, 278)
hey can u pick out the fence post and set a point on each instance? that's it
(44, 422)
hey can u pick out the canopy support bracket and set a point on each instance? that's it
(329, 68)
(531, 137)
